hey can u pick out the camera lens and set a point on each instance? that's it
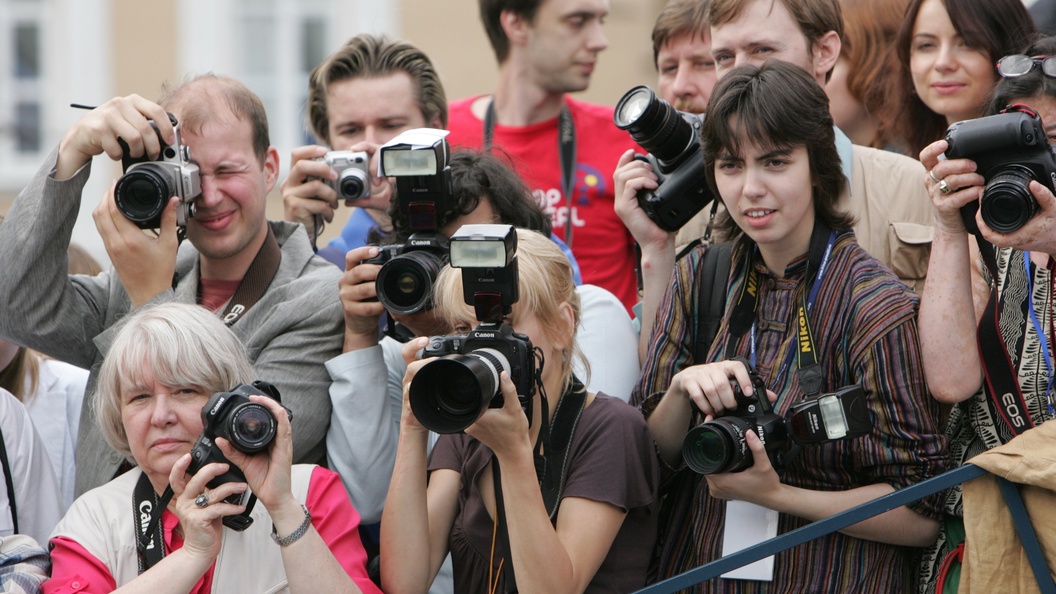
(451, 392)
(351, 185)
(405, 283)
(142, 193)
(251, 427)
(717, 446)
(1007, 203)
(653, 124)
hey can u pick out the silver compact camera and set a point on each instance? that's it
(353, 178)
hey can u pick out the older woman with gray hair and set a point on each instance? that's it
(165, 364)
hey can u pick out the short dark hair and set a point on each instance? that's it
(477, 175)
(680, 17)
(366, 56)
(999, 27)
(778, 105)
(491, 15)
(243, 103)
(1032, 84)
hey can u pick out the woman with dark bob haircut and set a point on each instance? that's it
(796, 272)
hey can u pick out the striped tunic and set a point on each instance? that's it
(864, 326)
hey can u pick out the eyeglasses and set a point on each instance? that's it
(1019, 65)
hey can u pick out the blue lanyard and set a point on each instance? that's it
(1040, 330)
(811, 296)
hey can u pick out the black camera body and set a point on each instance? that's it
(353, 175)
(719, 445)
(1010, 149)
(147, 185)
(461, 381)
(673, 140)
(418, 159)
(248, 426)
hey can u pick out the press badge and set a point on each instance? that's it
(748, 524)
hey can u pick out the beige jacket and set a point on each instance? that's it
(994, 560)
(887, 196)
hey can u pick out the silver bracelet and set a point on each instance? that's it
(294, 536)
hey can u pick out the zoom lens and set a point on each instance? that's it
(405, 283)
(351, 185)
(451, 392)
(1007, 203)
(251, 427)
(653, 124)
(717, 446)
(142, 193)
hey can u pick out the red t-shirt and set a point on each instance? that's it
(601, 244)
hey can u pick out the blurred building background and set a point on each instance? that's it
(57, 52)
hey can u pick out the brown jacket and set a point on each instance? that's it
(994, 560)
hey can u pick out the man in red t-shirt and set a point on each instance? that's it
(546, 49)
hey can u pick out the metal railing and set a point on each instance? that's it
(865, 511)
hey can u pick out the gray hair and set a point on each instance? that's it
(180, 345)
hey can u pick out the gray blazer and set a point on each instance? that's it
(291, 331)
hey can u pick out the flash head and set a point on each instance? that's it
(417, 152)
(483, 246)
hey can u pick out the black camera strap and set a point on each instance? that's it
(256, 281)
(147, 508)
(9, 482)
(566, 150)
(1001, 378)
(551, 466)
(743, 319)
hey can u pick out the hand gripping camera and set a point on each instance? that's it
(462, 380)
(672, 138)
(719, 445)
(1010, 149)
(248, 426)
(418, 159)
(353, 176)
(146, 186)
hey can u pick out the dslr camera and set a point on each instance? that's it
(461, 381)
(146, 186)
(1010, 149)
(719, 445)
(248, 426)
(418, 159)
(353, 177)
(672, 138)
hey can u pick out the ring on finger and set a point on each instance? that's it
(202, 500)
(944, 187)
(931, 174)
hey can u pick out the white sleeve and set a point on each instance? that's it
(609, 341)
(367, 397)
(37, 496)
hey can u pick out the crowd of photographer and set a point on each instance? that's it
(447, 409)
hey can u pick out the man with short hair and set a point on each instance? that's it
(260, 276)
(682, 54)
(564, 148)
(359, 98)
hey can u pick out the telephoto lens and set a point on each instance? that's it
(654, 124)
(451, 392)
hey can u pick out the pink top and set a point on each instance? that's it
(75, 570)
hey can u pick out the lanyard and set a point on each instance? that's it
(1041, 331)
(256, 281)
(146, 515)
(566, 150)
(744, 315)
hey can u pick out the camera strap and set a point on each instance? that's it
(1000, 376)
(566, 150)
(9, 483)
(256, 281)
(743, 319)
(551, 466)
(146, 517)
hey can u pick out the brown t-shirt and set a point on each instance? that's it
(611, 459)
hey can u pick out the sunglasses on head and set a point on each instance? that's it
(1020, 64)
